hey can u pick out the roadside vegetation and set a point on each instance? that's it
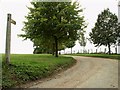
(30, 67)
(112, 56)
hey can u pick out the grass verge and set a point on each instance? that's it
(100, 56)
(30, 67)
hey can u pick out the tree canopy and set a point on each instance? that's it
(106, 30)
(70, 44)
(53, 23)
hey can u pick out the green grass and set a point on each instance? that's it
(30, 67)
(100, 56)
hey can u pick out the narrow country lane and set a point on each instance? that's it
(87, 73)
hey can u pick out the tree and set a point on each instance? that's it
(53, 21)
(40, 46)
(106, 30)
(82, 40)
(70, 44)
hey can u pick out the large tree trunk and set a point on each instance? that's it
(109, 52)
(56, 47)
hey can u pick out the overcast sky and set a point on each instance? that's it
(18, 10)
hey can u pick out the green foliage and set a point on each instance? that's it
(70, 44)
(82, 39)
(28, 67)
(53, 23)
(106, 30)
(42, 46)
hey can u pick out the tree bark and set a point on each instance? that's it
(56, 47)
(109, 52)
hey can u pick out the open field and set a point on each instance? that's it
(30, 67)
(99, 55)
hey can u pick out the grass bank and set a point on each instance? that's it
(30, 67)
(100, 56)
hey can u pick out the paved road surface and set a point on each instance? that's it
(87, 73)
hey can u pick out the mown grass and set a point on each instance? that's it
(30, 67)
(112, 56)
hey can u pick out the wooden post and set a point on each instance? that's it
(118, 22)
(8, 39)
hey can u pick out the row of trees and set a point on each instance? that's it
(53, 26)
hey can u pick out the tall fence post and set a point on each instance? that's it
(8, 39)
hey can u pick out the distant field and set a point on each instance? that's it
(99, 55)
(30, 67)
